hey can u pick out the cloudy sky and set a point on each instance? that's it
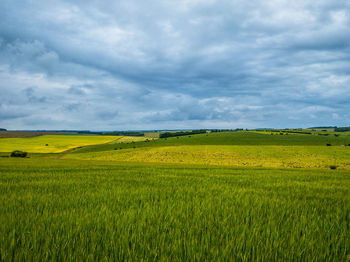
(158, 64)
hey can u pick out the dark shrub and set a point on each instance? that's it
(18, 153)
(333, 167)
(328, 144)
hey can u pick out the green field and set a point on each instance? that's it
(231, 138)
(235, 196)
(52, 143)
(253, 156)
(252, 149)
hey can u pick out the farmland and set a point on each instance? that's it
(254, 156)
(217, 196)
(231, 138)
(230, 149)
(51, 143)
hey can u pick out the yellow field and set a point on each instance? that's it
(253, 156)
(52, 143)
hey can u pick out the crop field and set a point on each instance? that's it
(230, 138)
(230, 149)
(74, 210)
(127, 139)
(235, 196)
(51, 143)
(304, 131)
(254, 156)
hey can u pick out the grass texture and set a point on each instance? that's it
(79, 210)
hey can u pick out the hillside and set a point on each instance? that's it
(230, 138)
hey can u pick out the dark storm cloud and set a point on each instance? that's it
(174, 64)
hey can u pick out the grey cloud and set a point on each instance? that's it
(30, 94)
(107, 115)
(77, 90)
(11, 112)
(131, 64)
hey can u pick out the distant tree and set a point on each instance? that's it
(18, 153)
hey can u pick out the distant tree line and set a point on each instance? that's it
(182, 133)
(342, 129)
(290, 131)
(323, 127)
(3, 129)
(113, 133)
(88, 132)
(225, 130)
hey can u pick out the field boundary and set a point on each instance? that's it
(79, 147)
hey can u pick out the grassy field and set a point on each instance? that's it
(230, 138)
(128, 139)
(52, 143)
(235, 196)
(77, 210)
(253, 156)
(230, 149)
(304, 131)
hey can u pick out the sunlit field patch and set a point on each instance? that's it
(128, 139)
(52, 143)
(253, 156)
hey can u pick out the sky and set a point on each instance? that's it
(185, 64)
